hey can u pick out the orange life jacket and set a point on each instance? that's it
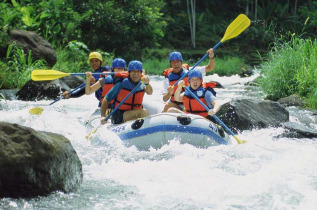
(210, 86)
(134, 101)
(191, 105)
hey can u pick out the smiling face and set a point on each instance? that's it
(95, 63)
(195, 82)
(176, 65)
(135, 75)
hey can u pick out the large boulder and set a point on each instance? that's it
(47, 90)
(41, 49)
(39, 90)
(35, 163)
(246, 114)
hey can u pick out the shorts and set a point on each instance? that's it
(117, 117)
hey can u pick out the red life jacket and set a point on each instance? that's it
(173, 78)
(109, 83)
(210, 86)
(134, 101)
(121, 74)
(191, 105)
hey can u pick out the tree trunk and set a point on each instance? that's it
(256, 10)
(191, 7)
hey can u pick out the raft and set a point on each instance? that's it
(159, 129)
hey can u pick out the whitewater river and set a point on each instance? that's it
(268, 172)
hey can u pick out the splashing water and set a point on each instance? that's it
(268, 172)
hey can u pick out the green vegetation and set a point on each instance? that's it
(149, 29)
(229, 66)
(292, 69)
(224, 66)
(16, 68)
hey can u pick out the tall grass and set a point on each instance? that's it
(292, 69)
(223, 66)
(17, 67)
(229, 66)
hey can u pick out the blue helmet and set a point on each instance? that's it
(118, 63)
(135, 65)
(176, 56)
(194, 73)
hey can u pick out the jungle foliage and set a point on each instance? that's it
(127, 27)
(150, 29)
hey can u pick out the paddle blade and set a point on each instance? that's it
(43, 75)
(236, 27)
(239, 140)
(36, 111)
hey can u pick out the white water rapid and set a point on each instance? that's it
(268, 172)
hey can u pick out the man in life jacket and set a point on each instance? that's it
(173, 74)
(206, 95)
(131, 108)
(105, 83)
(95, 62)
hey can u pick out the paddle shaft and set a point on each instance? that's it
(96, 74)
(77, 88)
(214, 116)
(234, 29)
(203, 58)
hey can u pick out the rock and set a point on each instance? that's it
(246, 73)
(292, 100)
(71, 82)
(49, 90)
(247, 114)
(8, 94)
(36, 163)
(40, 48)
(296, 130)
(39, 90)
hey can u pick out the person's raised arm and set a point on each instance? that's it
(177, 95)
(211, 63)
(93, 88)
(148, 87)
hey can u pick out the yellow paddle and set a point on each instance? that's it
(234, 29)
(42, 74)
(36, 111)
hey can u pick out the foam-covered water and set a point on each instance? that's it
(268, 172)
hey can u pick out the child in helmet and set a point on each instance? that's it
(191, 105)
(176, 71)
(105, 83)
(95, 62)
(132, 108)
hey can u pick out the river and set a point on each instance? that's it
(268, 172)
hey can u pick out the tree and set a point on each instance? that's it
(191, 11)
